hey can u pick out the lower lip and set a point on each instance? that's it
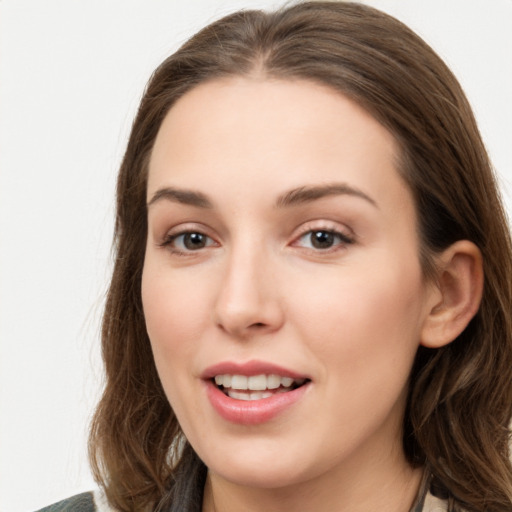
(252, 412)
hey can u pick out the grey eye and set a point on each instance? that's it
(191, 241)
(321, 239)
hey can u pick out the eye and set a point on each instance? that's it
(323, 239)
(188, 241)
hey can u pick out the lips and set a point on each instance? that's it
(253, 392)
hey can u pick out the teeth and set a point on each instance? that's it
(255, 395)
(286, 382)
(255, 383)
(239, 382)
(273, 381)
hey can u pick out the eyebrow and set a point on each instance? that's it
(183, 196)
(307, 194)
(296, 196)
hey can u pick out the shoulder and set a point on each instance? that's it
(84, 502)
(80, 503)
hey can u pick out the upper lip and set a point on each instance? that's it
(249, 368)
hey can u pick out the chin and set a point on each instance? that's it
(265, 467)
(263, 477)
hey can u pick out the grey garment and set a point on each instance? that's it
(80, 503)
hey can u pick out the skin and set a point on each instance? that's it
(350, 316)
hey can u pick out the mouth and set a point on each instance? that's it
(255, 387)
(254, 392)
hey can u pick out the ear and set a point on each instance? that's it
(455, 297)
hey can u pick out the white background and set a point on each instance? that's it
(72, 72)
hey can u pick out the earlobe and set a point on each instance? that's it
(456, 296)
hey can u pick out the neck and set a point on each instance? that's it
(384, 485)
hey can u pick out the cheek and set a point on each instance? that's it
(365, 328)
(175, 313)
(365, 340)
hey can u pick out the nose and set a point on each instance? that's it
(248, 302)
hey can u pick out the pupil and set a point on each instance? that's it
(322, 239)
(194, 241)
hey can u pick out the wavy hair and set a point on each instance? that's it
(460, 396)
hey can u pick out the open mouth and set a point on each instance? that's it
(256, 387)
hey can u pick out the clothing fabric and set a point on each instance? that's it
(83, 502)
(95, 501)
(92, 501)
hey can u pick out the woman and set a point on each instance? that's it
(310, 305)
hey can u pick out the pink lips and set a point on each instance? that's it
(249, 368)
(252, 412)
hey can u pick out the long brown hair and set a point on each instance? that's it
(460, 396)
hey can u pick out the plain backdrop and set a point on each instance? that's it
(72, 73)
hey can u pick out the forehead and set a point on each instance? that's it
(287, 133)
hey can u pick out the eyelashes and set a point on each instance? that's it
(192, 242)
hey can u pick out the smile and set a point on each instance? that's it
(254, 392)
(255, 387)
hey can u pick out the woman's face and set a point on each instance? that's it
(282, 255)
